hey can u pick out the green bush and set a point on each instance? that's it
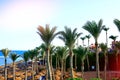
(95, 79)
(75, 79)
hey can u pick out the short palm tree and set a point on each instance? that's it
(117, 23)
(26, 58)
(47, 35)
(113, 37)
(43, 48)
(104, 50)
(69, 37)
(14, 57)
(95, 29)
(62, 53)
(106, 29)
(88, 37)
(82, 52)
(32, 57)
(5, 52)
(83, 38)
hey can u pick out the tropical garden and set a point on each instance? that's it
(64, 62)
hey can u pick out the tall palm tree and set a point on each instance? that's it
(69, 37)
(26, 58)
(83, 38)
(5, 52)
(95, 29)
(113, 37)
(82, 52)
(14, 57)
(88, 37)
(106, 29)
(47, 35)
(62, 53)
(104, 50)
(117, 23)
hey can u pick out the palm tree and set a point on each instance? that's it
(26, 58)
(95, 29)
(82, 38)
(43, 48)
(88, 37)
(5, 52)
(62, 53)
(52, 52)
(47, 35)
(113, 37)
(69, 37)
(104, 50)
(106, 29)
(14, 57)
(32, 54)
(82, 52)
(117, 23)
(36, 52)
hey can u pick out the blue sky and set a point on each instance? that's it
(19, 19)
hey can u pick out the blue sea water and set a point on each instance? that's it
(19, 52)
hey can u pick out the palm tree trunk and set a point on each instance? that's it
(64, 67)
(32, 71)
(5, 68)
(75, 61)
(62, 70)
(52, 68)
(88, 58)
(36, 65)
(88, 63)
(105, 67)
(25, 70)
(56, 61)
(13, 70)
(106, 39)
(82, 68)
(49, 73)
(97, 61)
(71, 63)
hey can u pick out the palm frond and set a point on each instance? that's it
(14, 56)
(117, 23)
(5, 52)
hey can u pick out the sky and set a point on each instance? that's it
(19, 19)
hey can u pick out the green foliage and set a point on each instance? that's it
(69, 36)
(117, 23)
(14, 56)
(75, 79)
(5, 52)
(95, 79)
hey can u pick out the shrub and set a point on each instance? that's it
(75, 79)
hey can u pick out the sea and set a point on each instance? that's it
(19, 52)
